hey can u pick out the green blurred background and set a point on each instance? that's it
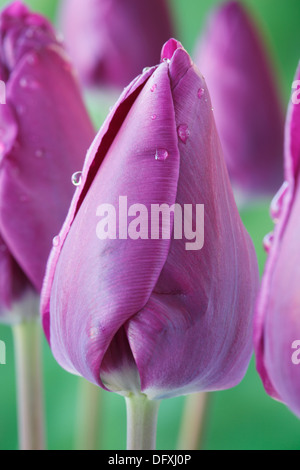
(241, 418)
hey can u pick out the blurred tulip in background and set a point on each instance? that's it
(111, 41)
(277, 329)
(246, 98)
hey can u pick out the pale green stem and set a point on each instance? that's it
(28, 355)
(142, 416)
(89, 404)
(193, 422)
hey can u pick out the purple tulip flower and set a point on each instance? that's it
(277, 321)
(247, 105)
(44, 134)
(110, 41)
(136, 314)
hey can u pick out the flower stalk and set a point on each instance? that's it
(27, 341)
(142, 416)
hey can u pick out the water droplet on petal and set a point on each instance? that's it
(146, 69)
(60, 37)
(23, 82)
(201, 92)
(277, 202)
(161, 154)
(32, 59)
(39, 153)
(183, 133)
(166, 60)
(154, 117)
(153, 88)
(56, 241)
(268, 242)
(77, 178)
(2, 148)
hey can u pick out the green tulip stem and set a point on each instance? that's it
(88, 409)
(194, 420)
(142, 416)
(28, 355)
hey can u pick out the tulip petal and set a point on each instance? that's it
(246, 99)
(111, 41)
(139, 314)
(277, 319)
(35, 162)
(120, 294)
(187, 304)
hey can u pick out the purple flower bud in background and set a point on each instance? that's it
(246, 101)
(44, 135)
(143, 314)
(111, 41)
(277, 321)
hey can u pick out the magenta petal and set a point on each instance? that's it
(45, 133)
(277, 323)
(195, 332)
(111, 41)
(146, 315)
(129, 169)
(246, 100)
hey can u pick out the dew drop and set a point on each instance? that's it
(277, 202)
(161, 154)
(32, 59)
(23, 82)
(154, 117)
(153, 88)
(77, 178)
(268, 242)
(183, 133)
(39, 153)
(166, 60)
(200, 93)
(56, 241)
(146, 69)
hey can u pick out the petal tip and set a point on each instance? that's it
(169, 49)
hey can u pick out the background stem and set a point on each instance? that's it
(89, 404)
(193, 421)
(141, 422)
(28, 354)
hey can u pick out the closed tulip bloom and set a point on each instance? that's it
(44, 134)
(111, 41)
(247, 103)
(277, 321)
(143, 313)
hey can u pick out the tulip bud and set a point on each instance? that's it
(277, 319)
(246, 101)
(44, 134)
(125, 303)
(111, 41)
